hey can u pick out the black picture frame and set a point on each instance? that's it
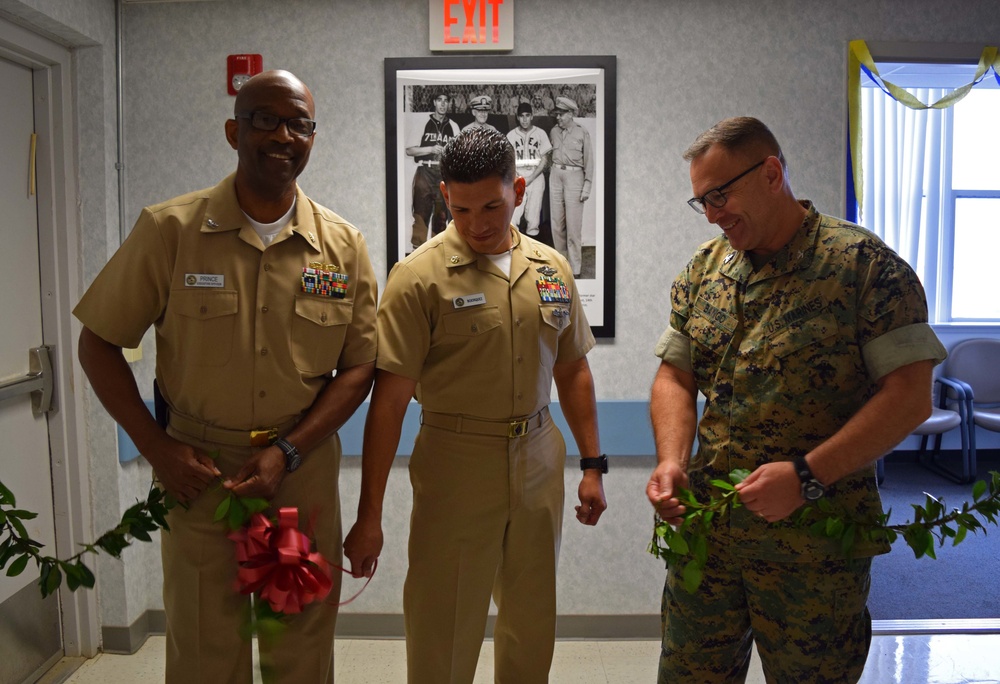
(409, 87)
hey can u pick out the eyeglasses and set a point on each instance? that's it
(262, 121)
(717, 197)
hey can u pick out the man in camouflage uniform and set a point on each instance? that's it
(809, 339)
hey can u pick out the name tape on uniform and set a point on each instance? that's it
(469, 300)
(204, 280)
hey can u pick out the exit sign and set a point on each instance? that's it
(472, 25)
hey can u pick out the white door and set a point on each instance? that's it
(29, 626)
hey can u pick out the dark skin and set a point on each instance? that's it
(269, 163)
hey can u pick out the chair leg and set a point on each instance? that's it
(932, 461)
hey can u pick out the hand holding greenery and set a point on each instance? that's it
(18, 548)
(686, 545)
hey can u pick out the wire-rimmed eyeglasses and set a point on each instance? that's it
(262, 121)
(717, 196)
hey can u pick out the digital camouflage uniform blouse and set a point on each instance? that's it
(786, 354)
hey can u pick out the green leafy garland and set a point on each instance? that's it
(686, 545)
(18, 548)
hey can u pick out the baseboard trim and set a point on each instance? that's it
(569, 627)
(128, 640)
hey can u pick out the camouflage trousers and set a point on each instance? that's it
(809, 620)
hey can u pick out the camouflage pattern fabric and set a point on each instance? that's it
(785, 354)
(779, 354)
(808, 619)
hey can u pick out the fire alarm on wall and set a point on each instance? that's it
(240, 68)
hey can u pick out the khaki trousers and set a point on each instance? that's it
(205, 613)
(487, 518)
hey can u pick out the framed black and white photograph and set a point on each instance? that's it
(558, 112)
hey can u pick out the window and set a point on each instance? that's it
(932, 185)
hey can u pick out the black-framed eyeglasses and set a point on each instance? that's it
(717, 197)
(262, 121)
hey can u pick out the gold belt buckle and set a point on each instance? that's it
(517, 428)
(263, 438)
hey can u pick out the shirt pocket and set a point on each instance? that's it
(318, 329)
(471, 322)
(813, 358)
(205, 324)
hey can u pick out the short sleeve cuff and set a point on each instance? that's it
(675, 348)
(901, 347)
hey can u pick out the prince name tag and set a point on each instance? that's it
(469, 300)
(204, 280)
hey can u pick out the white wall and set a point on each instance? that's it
(681, 67)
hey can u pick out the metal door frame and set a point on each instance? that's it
(58, 242)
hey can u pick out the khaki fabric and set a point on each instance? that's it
(257, 350)
(205, 614)
(487, 510)
(487, 519)
(508, 344)
(253, 352)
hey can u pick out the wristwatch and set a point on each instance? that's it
(812, 489)
(292, 457)
(599, 463)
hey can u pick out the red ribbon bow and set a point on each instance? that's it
(277, 563)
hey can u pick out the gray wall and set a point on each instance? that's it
(681, 67)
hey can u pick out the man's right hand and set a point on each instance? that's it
(363, 545)
(182, 470)
(661, 490)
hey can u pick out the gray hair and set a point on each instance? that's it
(742, 134)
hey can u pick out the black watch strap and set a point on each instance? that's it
(292, 457)
(599, 463)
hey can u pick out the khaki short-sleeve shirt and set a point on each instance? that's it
(477, 342)
(239, 342)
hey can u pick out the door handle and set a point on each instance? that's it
(39, 382)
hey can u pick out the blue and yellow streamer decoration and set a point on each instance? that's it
(860, 59)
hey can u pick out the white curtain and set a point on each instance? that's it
(905, 173)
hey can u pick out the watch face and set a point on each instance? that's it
(812, 490)
(292, 462)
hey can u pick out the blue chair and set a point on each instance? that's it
(976, 364)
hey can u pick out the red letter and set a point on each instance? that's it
(470, 31)
(495, 4)
(448, 21)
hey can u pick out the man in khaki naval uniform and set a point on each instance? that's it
(809, 338)
(264, 307)
(478, 322)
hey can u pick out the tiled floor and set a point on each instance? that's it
(917, 659)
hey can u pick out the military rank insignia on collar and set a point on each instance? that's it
(552, 289)
(324, 280)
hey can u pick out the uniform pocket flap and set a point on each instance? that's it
(202, 305)
(324, 312)
(471, 322)
(803, 333)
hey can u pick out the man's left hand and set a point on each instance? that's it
(260, 476)
(773, 491)
(592, 501)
